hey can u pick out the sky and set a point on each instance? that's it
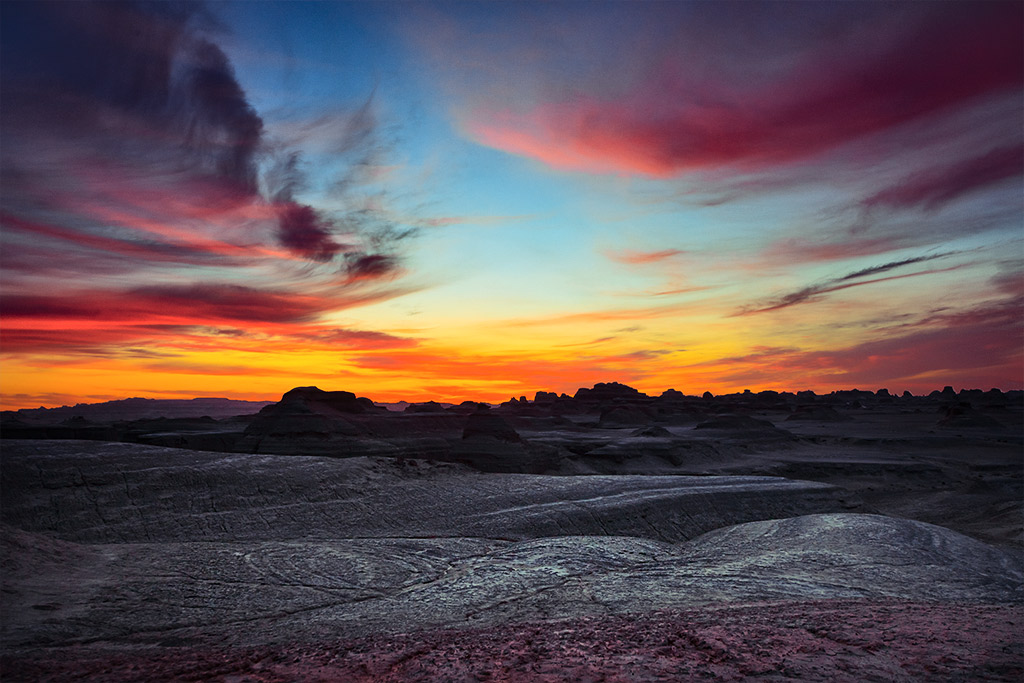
(460, 201)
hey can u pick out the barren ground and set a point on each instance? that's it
(628, 539)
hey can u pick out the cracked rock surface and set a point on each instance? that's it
(126, 493)
(174, 593)
(130, 562)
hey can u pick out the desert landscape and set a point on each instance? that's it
(610, 535)
(526, 341)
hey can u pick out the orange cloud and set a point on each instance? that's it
(631, 257)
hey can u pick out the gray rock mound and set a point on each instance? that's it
(147, 593)
(855, 555)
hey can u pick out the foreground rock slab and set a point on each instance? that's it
(126, 493)
(60, 593)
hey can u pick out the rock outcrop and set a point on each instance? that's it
(608, 392)
(308, 420)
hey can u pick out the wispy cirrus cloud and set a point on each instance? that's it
(855, 279)
(794, 250)
(142, 248)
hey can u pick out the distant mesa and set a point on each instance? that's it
(340, 401)
(306, 420)
(467, 407)
(607, 391)
(144, 408)
(426, 407)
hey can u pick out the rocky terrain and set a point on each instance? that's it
(604, 536)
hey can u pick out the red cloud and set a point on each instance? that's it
(681, 119)
(186, 304)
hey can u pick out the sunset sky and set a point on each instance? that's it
(481, 200)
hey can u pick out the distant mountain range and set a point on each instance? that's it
(141, 409)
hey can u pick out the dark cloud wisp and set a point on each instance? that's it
(854, 279)
(945, 184)
(137, 76)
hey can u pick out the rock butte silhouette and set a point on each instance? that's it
(604, 535)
